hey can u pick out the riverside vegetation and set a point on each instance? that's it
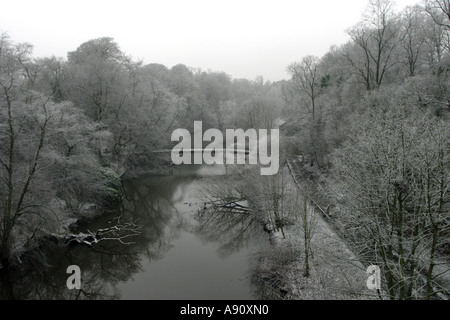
(366, 136)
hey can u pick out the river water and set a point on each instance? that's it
(180, 253)
(195, 258)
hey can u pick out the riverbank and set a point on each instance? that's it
(334, 270)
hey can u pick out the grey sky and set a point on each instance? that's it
(240, 37)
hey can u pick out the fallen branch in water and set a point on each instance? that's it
(118, 232)
(230, 206)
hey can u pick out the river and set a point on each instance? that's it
(180, 253)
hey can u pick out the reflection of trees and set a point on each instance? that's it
(235, 208)
(235, 213)
(231, 230)
(147, 202)
(37, 281)
(150, 203)
(159, 205)
(227, 218)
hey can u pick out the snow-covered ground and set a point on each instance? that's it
(335, 272)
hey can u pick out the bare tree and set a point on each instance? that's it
(308, 223)
(19, 116)
(306, 86)
(439, 11)
(438, 31)
(394, 179)
(412, 37)
(306, 80)
(377, 38)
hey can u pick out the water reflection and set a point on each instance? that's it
(101, 269)
(183, 252)
(231, 230)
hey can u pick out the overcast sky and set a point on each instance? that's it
(240, 37)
